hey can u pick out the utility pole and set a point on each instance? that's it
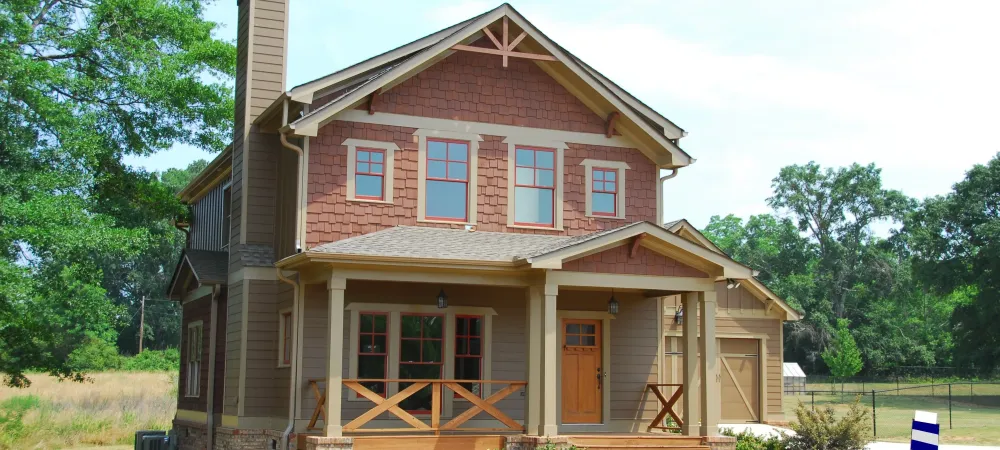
(142, 320)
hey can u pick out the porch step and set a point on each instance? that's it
(642, 447)
(609, 442)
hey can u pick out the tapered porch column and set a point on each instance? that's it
(711, 405)
(334, 374)
(690, 341)
(533, 409)
(550, 341)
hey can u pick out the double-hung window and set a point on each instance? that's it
(469, 351)
(373, 350)
(534, 186)
(421, 356)
(194, 350)
(447, 193)
(369, 174)
(604, 193)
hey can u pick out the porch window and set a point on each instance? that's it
(369, 174)
(373, 350)
(447, 180)
(194, 350)
(604, 193)
(469, 351)
(421, 347)
(285, 331)
(534, 186)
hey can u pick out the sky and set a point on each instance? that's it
(758, 85)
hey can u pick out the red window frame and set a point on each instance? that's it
(447, 174)
(286, 339)
(384, 354)
(534, 167)
(358, 162)
(603, 191)
(467, 335)
(421, 339)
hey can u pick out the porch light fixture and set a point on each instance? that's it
(442, 299)
(613, 304)
(679, 316)
(732, 284)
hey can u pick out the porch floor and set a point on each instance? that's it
(589, 441)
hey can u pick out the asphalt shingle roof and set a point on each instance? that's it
(210, 267)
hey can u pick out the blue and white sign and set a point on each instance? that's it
(925, 431)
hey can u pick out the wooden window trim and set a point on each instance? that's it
(447, 177)
(614, 193)
(388, 163)
(357, 171)
(534, 167)
(593, 165)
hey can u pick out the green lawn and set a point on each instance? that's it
(974, 419)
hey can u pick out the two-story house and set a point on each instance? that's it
(461, 241)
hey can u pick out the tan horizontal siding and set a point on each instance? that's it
(234, 327)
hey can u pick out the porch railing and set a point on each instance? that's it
(666, 407)
(391, 405)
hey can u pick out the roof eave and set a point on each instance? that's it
(208, 178)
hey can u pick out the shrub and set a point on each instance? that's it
(95, 355)
(745, 440)
(153, 361)
(821, 430)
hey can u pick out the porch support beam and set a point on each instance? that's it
(711, 402)
(549, 426)
(334, 375)
(690, 341)
(533, 407)
(641, 282)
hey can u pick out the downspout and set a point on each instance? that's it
(293, 366)
(298, 179)
(210, 419)
(659, 195)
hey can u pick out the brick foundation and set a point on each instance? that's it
(190, 436)
(534, 442)
(720, 442)
(329, 443)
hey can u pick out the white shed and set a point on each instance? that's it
(794, 378)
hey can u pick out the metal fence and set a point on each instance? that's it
(969, 412)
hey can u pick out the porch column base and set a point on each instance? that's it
(534, 442)
(711, 431)
(329, 443)
(719, 442)
(549, 430)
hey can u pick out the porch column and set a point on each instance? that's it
(533, 406)
(335, 364)
(690, 341)
(711, 405)
(549, 426)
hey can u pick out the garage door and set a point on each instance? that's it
(739, 373)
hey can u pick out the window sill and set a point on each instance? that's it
(365, 200)
(283, 366)
(533, 227)
(449, 222)
(598, 216)
(192, 396)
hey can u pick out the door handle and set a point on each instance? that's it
(600, 380)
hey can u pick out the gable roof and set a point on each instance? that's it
(684, 228)
(207, 267)
(651, 131)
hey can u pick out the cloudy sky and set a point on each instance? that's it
(912, 86)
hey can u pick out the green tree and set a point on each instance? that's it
(843, 357)
(83, 84)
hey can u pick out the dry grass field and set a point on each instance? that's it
(106, 411)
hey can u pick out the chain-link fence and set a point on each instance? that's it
(969, 412)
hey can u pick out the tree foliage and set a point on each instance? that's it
(843, 357)
(83, 84)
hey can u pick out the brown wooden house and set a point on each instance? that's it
(460, 241)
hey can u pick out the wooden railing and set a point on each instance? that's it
(666, 407)
(391, 405)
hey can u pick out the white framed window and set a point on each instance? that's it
(447, 174)
(396, 341)
(534, 183)
(285, 330)
(370, 170)
(193, 341)
(605, 188)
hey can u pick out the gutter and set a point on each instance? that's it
(210, 410)
(294, 366)
(659, 195)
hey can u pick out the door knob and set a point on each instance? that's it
(600, 380)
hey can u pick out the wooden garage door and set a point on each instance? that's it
(740, 372)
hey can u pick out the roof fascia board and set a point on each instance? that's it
(309, 125)
(208, 178)
(305, 93)
(679, 157)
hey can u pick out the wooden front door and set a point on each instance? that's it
(582, 374)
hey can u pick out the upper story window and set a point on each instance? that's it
(285, 330)
(369, 170)
(447, 193)
(369, 174)
(534, 186)
(605, 188)
(193, 341)
(604, 192)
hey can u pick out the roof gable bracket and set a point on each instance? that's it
(505, 49)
